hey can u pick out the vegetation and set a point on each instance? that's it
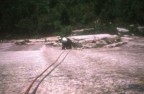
(46, 17)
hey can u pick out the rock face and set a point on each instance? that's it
(92, 41)
(122, 31)
(81, 31)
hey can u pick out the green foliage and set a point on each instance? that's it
(105, 27)
(54, 16)
(64, 31)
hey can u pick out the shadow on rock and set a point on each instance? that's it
(137, 87)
